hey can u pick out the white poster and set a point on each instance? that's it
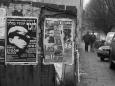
(2, 33)
(68, 32)
(2, 22)
(53, 41)
(58, 40)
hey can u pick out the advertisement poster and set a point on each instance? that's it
(2, 22)
(2, 33)
(68, 41)
(58, 40)
(21, 40)
(53, 41)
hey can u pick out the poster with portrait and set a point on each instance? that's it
(53, 41)
(68, 40)
(2, 33)
(21, 41)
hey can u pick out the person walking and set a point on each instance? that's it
(92, 41)
(86, 39)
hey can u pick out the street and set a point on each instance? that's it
(94, 72)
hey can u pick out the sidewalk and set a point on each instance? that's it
(93, 71)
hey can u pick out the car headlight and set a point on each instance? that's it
(100, 48)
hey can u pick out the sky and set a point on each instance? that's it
(85, 2)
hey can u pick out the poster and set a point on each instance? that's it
(2, 27)
(53, 41)
(21, 40)
(68, 33)
(58, 40)
(2, 23)
(2, 33)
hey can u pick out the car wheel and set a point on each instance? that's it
(101, 58)
(112, 65)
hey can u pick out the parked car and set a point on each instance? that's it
(112, 53)
(103, 52)
(99, 43)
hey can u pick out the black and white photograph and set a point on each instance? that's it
(57, 42)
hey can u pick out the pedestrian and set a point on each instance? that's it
(92, 41)
(86, 39)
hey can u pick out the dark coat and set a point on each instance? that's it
(86, 38)
(92, 38)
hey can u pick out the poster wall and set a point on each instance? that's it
(58, 40)
(21, 40)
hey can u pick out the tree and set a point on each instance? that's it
(102, 14)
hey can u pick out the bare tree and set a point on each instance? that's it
(102, 14)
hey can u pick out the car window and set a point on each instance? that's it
(109, 36)
(113, 38)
